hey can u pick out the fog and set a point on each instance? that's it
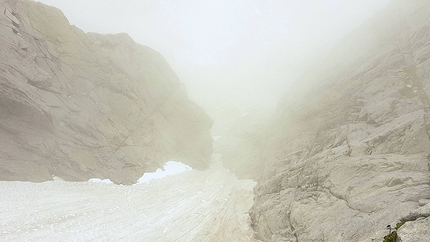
(242, 52)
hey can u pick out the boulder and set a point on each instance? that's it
(415, 231)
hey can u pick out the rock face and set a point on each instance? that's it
(348, 150)
(417, 231)
(416, 228)
(78, 105)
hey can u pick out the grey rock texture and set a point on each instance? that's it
(79, 105)
(417, 231)
(416, 226)
(347, 153)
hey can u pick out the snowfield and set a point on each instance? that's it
(169, 169)
(208, 205)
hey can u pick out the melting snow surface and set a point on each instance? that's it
(257, 11)
(97, 180)
(191, 206)
(170, 168)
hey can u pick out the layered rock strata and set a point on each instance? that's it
(348, 151)
(79, 105)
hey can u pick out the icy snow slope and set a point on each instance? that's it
(208, 205)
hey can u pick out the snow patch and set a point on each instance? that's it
(170, 168)
(97, 180)
(257, 11)
(56, 178)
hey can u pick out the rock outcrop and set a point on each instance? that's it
(415, 231)
(79, 105)
(415, 226)
(348, 151)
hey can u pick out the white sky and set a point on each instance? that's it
(228, 51)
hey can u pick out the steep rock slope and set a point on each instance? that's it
(348, 152)
(78, 105)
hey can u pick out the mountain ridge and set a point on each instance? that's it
(79, 105)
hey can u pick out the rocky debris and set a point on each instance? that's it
(347, 153)
(79, 105)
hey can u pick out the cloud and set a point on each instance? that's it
(254, 44)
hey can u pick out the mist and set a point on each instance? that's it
(239, 120)
(244, 53)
